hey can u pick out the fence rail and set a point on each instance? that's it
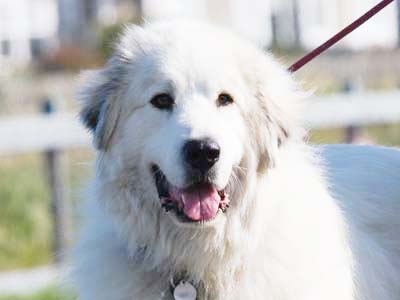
(32, 133)
(25, 282)
(353, 109)
(62, 130)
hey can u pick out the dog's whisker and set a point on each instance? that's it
(235, 183)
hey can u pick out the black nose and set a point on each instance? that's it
(201, 154)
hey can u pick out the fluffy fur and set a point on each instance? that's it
(304, 222)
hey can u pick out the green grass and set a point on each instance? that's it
(25, 223)
(24, 220)
(51, 293)
(388, 135)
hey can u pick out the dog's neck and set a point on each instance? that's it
(211, 282)
(214, 256)
(212, 259)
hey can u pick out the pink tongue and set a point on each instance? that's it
(201, 204)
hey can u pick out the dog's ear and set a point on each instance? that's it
(99, 112)
(279, 104)
(274, 132)
(275, 120)
(99, 93)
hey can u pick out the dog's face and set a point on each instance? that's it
(187, 115)
(189, 122)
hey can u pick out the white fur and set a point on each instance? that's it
(304, 222)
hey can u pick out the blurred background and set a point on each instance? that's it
(45, 155)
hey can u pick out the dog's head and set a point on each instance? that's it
(186, 115)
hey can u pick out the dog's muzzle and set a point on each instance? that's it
(199, 202)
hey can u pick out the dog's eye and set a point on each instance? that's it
(224, 99)
(162, 101)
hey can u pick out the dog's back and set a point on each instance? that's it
(365, 180)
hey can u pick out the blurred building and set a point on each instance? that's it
(30, 28)
(289, 23)
(78, 19)
(27, 27)
(250, 18)
(320, 19)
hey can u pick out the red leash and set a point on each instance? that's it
(340, 35)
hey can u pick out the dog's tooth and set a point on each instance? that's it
(223, 206)
(170, 205)
(164, 206)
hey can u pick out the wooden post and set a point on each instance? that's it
(352, 132)
(398, 22)
(274, 28)
(59, 204)
(139, 7)
(296, 24)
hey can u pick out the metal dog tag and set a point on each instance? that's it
(185, 291)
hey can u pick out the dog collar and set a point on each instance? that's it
(184, 290)
(180, 287)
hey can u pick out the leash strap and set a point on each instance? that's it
(340, 35)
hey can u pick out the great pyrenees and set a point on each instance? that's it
(205, 186)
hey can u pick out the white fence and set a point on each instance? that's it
(25, 282)
(32, 133)
(62, 131)
(355, 109)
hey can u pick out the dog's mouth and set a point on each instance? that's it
(200, 202)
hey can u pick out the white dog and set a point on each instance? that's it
(204, 184)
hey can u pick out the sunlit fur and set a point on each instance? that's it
(304, 223)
